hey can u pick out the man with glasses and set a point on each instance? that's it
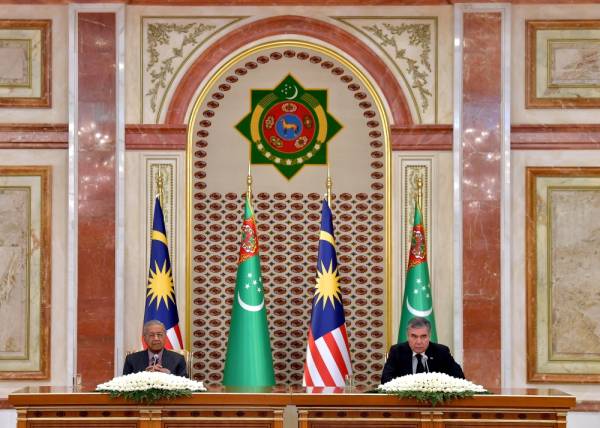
(156, 358)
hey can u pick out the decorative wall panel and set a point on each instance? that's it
(287, 206)
(563, 58)
(25, 260)
(25, 68)
(168, 44)
(563, 320)
(410, 44)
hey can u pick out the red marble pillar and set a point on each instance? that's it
(96, 106)
(481, 195)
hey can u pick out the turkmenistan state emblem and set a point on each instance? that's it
(288, 126)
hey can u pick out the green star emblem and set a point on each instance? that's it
(288, 126)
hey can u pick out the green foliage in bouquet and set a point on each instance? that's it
(435, 397)
(151, 395)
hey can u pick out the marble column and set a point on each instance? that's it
(96, 184)
(481, 167)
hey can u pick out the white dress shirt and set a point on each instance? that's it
(424, 359)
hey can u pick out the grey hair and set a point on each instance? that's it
(150, 323)
(418, 322)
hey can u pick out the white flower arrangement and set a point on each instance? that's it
(434, 388)
(148, 387)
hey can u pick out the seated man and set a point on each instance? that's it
(419, 355)
(156, 358)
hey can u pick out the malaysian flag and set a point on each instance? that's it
(160, 292)
(327, 351)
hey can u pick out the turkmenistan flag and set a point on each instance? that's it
(249, 361)
(417, 300)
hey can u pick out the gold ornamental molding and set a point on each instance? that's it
(168, 43)
(410, 43)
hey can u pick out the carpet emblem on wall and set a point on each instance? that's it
(288, 126)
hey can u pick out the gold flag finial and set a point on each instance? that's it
(249, 184)
(160, 186)
(328, 185)
(420, 192)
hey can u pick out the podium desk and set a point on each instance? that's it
(532, 408)
(54, 407)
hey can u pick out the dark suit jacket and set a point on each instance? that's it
(138, 361)
(399, 362)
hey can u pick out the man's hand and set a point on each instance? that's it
(157, 368)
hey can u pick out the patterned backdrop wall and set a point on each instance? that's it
(223, 140)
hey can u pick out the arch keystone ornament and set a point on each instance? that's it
(288, 126)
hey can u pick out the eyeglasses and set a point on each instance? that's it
(155, 335)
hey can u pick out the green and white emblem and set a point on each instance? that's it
(288, 126)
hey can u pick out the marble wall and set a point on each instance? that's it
(147, 28)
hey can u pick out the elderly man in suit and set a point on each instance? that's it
(156, 358)
(418, 354)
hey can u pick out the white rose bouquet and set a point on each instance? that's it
(147, 387)
(434, 388)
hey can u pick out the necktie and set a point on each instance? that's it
(420, 367)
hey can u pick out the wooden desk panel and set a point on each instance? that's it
(46, 407)
(506, 409)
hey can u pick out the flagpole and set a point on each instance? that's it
(328, 185)
(159, 186)
(420, 192)
(420, 199)
(249, 185)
